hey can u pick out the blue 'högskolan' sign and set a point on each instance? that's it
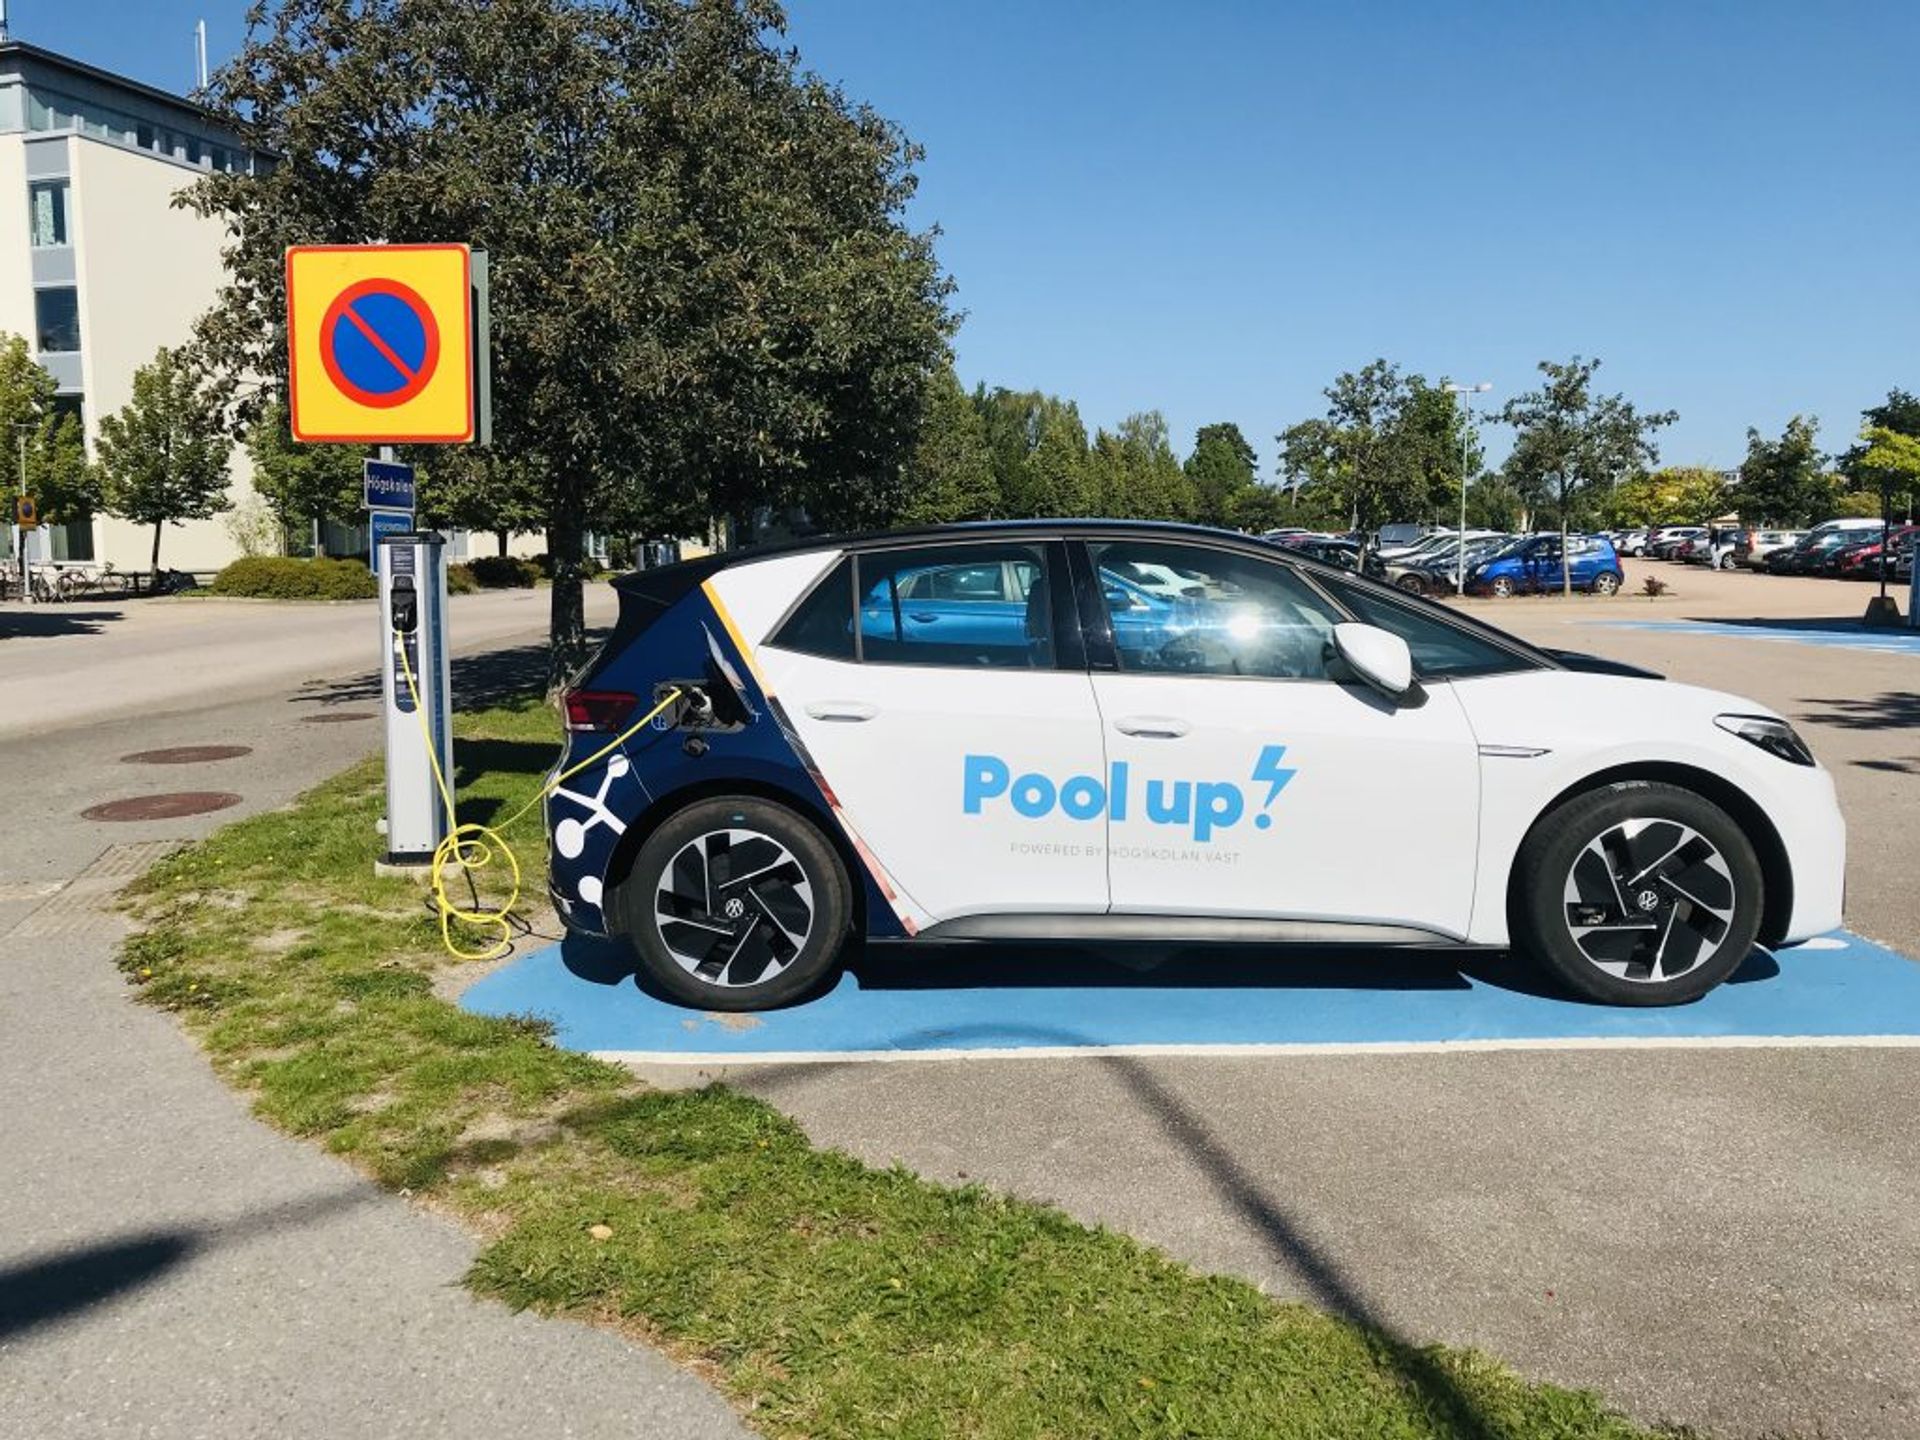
(388, 486)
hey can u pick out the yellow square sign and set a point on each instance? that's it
(380, 343)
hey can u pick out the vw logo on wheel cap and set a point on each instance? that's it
(1648, 899)
(735, 908)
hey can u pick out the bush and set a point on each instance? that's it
(460, 580)
(280, 577)
(501, 572)
(590, 568)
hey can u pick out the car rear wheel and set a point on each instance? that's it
(1638, 894)
(1606, 582)
(736, 903)
(1412, 584)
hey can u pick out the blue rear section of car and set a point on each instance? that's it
(597, 819)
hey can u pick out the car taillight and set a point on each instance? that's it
(598, 709)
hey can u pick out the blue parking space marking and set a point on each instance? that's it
(922, 1001)
(1834, 634)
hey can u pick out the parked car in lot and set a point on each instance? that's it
(1663, 542)
(1330, 549)
(1808, 555)
(1753, 546)
(1532, 564)
(1432, 574)
(1714, 549)
(1861, 559)
(1630, 542)
(834, 766)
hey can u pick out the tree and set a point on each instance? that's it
(163, 455)
(1675, 495)
(1135, 475)
(950, 472)
(1016, 422)
(1873, 462)
(1568, 442)
(1221, 471)
(703, 291)
(1436, 441)
(303, 483)
(1493, 503)
(481, 489)
(58, 477)
(1781, 482)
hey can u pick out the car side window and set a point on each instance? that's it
(1441, 650)
(976, 606)
(822, 624)
(1188, 610)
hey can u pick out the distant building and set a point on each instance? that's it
(97, 268)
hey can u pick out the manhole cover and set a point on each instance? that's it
(334, 717)
(162, 807)
(186, 754)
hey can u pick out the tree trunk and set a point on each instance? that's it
(567, 627)
(500, 539)
(155, 568)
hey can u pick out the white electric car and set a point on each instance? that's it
(1021, 732)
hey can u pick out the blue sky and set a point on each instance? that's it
(1212, 208)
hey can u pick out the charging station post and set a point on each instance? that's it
(416, 686)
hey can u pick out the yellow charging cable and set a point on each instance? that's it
(472, 846)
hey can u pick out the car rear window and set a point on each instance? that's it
(822, 624)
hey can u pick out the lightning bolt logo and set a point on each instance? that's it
(1276, 775)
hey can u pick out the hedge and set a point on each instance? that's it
(500, 572)
(282, 577)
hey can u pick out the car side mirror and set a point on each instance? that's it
(1378, 657)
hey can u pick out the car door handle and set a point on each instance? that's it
(842, 710)
(1152, 727)
(923, 619)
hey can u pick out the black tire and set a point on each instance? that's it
(1607, 582)
(1412, 584)
(1502, 588)
(716, 941)
(1637, 913)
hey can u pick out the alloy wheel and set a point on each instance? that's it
(1649, 900)
(734, 907)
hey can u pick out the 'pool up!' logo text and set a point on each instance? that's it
(1202, 806)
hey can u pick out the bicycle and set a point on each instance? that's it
(77, 580)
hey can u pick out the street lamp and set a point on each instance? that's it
(1466, 440)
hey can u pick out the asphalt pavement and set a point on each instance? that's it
(169, 1267)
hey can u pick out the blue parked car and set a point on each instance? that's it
(1532, 565)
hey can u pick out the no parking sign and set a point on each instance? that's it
(381, 343)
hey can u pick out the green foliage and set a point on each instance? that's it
(460, 580)
(502, 572)
(949, 475)
(1390, 447)
(1854, 505)
(1571, 447)
(1038, 448)
(163, 456)
(282, 577)
(829, 1299)
(1493, 503)
(58, 476)
(1675, 495)
(1889, 460)
(1132, 473)
(1781, 482)
(302, 483)
(705, 297)
(1221, 473)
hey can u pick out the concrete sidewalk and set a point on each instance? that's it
(169, 1267)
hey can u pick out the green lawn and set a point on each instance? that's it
(827, 1298)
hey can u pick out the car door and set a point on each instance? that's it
(953, 723)
(1245, 778)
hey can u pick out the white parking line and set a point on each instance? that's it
(1260, 1051)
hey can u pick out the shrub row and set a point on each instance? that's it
(284, 577)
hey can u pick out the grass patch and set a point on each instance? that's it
(828, 1298)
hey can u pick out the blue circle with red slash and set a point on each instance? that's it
(379, 343)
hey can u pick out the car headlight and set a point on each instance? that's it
(1776, 737)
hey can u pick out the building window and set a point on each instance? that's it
(56, 320)
(73, 540)
(47, 201)
(143, 135)
(193, 149)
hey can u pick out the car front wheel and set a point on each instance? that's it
(1637, 894)
(736, 903)
(1502, 587)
